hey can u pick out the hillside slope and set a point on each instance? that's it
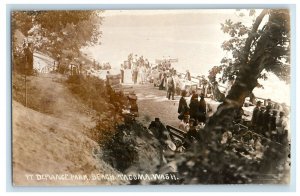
(55, 142)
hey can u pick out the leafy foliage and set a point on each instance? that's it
(121, 150)
(58, 32)
(89, 89)
(211, 162)
(277, 28)
(106, 103)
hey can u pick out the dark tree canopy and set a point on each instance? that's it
(244, 41)
(59, 30)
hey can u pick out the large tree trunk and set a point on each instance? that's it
(245, 82)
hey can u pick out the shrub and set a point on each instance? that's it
(90, 90)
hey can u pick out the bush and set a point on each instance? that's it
(101, 98)
(90, 90)
(122, 150)
(211, 162)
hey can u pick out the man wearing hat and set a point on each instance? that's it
(171, 87)
(202, 109)
(183, 108)
(260, 119)
(159, 130)
(255, 114)
(266, 119)
(194, 105)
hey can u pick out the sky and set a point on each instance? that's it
(192, 36)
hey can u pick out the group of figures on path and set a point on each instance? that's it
(140, 69)
(193, 116)
(270, 121)
(175, 83)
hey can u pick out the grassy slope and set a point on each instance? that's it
(52, 135)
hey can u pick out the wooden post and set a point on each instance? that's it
(25, 91)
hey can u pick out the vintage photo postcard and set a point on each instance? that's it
(151, 97)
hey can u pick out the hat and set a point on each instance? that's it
(171, 145)
(259, 102)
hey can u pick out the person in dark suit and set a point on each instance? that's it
(260, 120)
(266, 119)
(255, 114)
(183, 108)
(194, 106)
(202, 109)
(171, 87)
(273, 119)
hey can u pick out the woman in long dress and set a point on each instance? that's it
(143, 74)
(139, 76)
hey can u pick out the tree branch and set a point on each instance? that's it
(251, 35)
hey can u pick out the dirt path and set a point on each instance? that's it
(153, 103)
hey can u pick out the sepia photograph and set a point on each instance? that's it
(151, 97)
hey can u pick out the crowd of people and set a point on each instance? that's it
(162, 74)
(140, 69)
(166, 75)
(194, 114)
(101, 66)
(270, 121)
